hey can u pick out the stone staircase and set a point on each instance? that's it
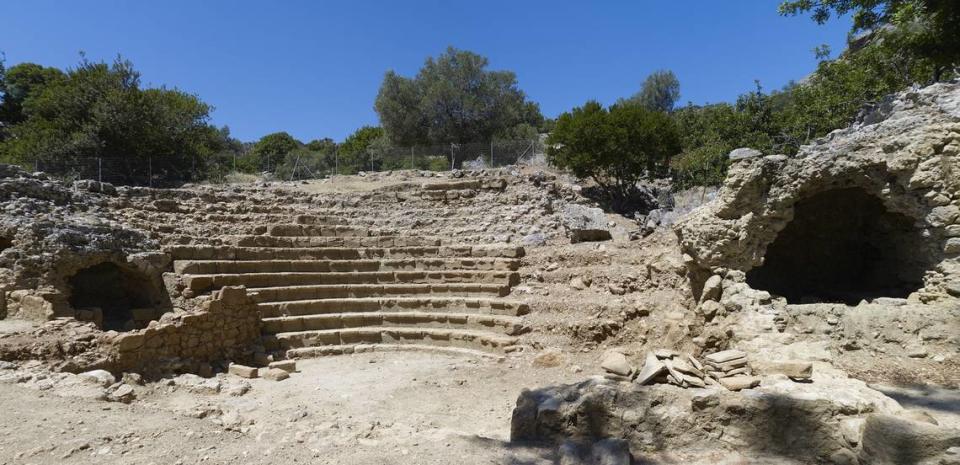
(325, 287)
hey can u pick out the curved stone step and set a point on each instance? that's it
(394, 304)
(207, 282)
(334, 291)
(198, 267)
(323, 230)
(467, 339)
(505, 324)
(326, 241)
(203, 252)
(324, 351)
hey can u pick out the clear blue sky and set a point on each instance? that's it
(312, 68)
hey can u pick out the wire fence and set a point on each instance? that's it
(300, 164)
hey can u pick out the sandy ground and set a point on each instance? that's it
(389, 408)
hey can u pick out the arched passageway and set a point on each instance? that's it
(843, 245)
(125, 297)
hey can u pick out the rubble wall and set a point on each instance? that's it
(224, 328)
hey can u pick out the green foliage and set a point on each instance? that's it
(660, 91)
(99, 110)
(363, 150)
(614, 147)
(926, 29)
(271, 150)
(453, 99)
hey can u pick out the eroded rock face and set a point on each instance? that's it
(869, 211)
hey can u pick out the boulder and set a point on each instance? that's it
(101, 377)
(616, 363)
(585, 223)
(895, 439)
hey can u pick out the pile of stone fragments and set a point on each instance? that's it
(729, 369)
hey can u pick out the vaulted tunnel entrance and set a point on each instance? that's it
(115, 298)
(843, 246)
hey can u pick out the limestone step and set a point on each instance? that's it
(339, 291)
(325, 266)
(205, 252)
(468, 339)
(510, 325)
(323, 230)
(327, 241)
(324, 351)
(206, 282)
(394, 304)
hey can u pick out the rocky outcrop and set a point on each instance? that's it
(823, 422)
(906, 155)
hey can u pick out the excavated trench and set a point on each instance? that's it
(126, 298)
(843, 246)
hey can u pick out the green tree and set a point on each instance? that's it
(17, 83)
(615, 147)
(453, 99)
(99, 110)
(271, 149)
(362, 150)
(927, 29)
(660, 91)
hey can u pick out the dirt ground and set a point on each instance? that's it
(388, 408)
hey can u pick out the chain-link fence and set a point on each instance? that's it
(299, 164)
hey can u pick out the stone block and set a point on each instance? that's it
(274, 374)
(290, 366)
(242, 371)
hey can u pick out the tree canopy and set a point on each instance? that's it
(99, 110)
(454, 98)
(660, 91)
(615, 147)
(926, 29)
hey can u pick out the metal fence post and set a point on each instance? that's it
(452, 156)
(99, 169)
(150, 172)
(336, 162)
(491, 153)
(413, 164)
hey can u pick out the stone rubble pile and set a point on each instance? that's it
(729, 369)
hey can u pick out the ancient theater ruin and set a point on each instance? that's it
(805, 312)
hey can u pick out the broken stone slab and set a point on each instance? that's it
(242, 371)
(274, 374)
(725, 356)
(728, 365)
(665, 353)
(683, 366)
(652, 368)
(123, 393)
(740, 382)
(616, 363)
(290, 366)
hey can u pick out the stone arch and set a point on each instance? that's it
(844, 245)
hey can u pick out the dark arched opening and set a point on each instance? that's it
(843, 245)
(5, 243)
(117, 298)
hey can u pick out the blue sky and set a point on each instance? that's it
(313, 68)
